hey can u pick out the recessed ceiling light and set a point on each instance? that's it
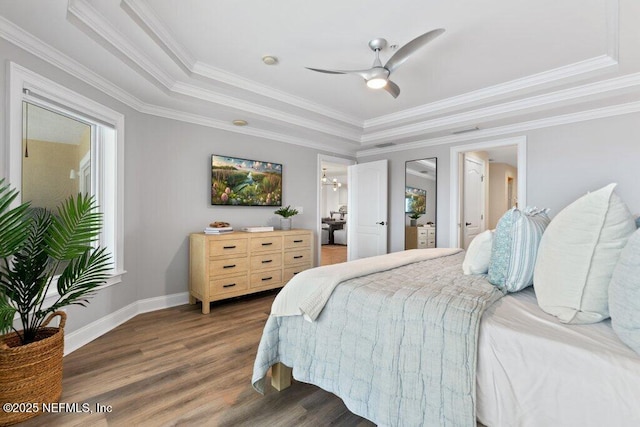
(270, 60)
(240, 122)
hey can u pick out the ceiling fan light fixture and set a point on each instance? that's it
(377, 83)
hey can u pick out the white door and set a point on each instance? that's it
(473, 199)
(367, 217)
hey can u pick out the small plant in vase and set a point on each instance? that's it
(414, 218)
(286, 213)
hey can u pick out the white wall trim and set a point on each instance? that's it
(508, 109)
(454, 183)
(568, 73)
(185, 60)
(97, 328)
(581, 116)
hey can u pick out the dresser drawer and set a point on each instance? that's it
(431, 232)
(228, 266)
(266, 261)
(301, 256)
(289, 272)
(297, 241)
(271, 243)
(229, 284)
(228, 247)
(266, 278)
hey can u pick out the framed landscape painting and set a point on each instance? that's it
(415, 200)
(244, 182)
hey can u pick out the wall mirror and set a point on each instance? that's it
(420, 203)
(56, 157)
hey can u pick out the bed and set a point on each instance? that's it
(399, 351)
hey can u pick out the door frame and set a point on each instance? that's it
(455, 179)
(483, 164)
(328, 159)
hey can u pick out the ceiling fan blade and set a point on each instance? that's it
(363, 73)
(326, 71)
(410, 48)
(392, 88)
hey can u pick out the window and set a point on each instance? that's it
(70, 143)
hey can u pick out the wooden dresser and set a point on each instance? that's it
(239, 263)
(420, 237)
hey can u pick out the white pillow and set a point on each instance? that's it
(624, 294)
(577, 255)
(476, 260)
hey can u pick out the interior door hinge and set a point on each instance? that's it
(481, 216)
(481, 178)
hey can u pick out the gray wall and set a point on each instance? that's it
(167, 174)
(563, 163)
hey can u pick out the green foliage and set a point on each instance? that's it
(37, 247)
(286, 212)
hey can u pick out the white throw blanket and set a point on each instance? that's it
(308, 292)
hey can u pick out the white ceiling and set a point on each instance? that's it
(498, 63)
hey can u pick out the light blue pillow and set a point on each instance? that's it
(624, 294)
(515, 247)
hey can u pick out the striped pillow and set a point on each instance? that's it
(515, 246)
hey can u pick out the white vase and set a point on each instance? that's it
(285, 223)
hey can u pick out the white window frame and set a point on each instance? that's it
(109, 164)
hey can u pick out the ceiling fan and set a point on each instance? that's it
(377, 77)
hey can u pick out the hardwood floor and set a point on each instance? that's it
(178, 367)
(333, 254)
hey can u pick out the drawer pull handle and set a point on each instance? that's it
(229, 247)
(230, 285)
(297, 256)
(298, 241)
(267, 261)
(228, 266)
(267, 244)
(264, 279)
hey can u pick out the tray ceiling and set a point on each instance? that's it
(497, 63)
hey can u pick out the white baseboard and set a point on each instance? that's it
(93, 330)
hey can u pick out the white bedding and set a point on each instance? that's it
(535, 371)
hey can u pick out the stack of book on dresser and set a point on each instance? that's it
(218, 228)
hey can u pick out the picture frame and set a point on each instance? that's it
(244, 182)
(415, 200)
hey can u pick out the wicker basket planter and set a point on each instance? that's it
(32, 373)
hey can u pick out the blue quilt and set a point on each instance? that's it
(397, 346)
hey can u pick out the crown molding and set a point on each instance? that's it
(84, 12)
(27, 42)
(273, 114)
(507, 109)
(49, 54)
(97, 23)
(569, 72)
(247, 130)
(598, 113)
(145, 17)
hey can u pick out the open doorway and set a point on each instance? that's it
(487, 179)
(333, 209)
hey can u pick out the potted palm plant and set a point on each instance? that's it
(40, 251)
(286, 213)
